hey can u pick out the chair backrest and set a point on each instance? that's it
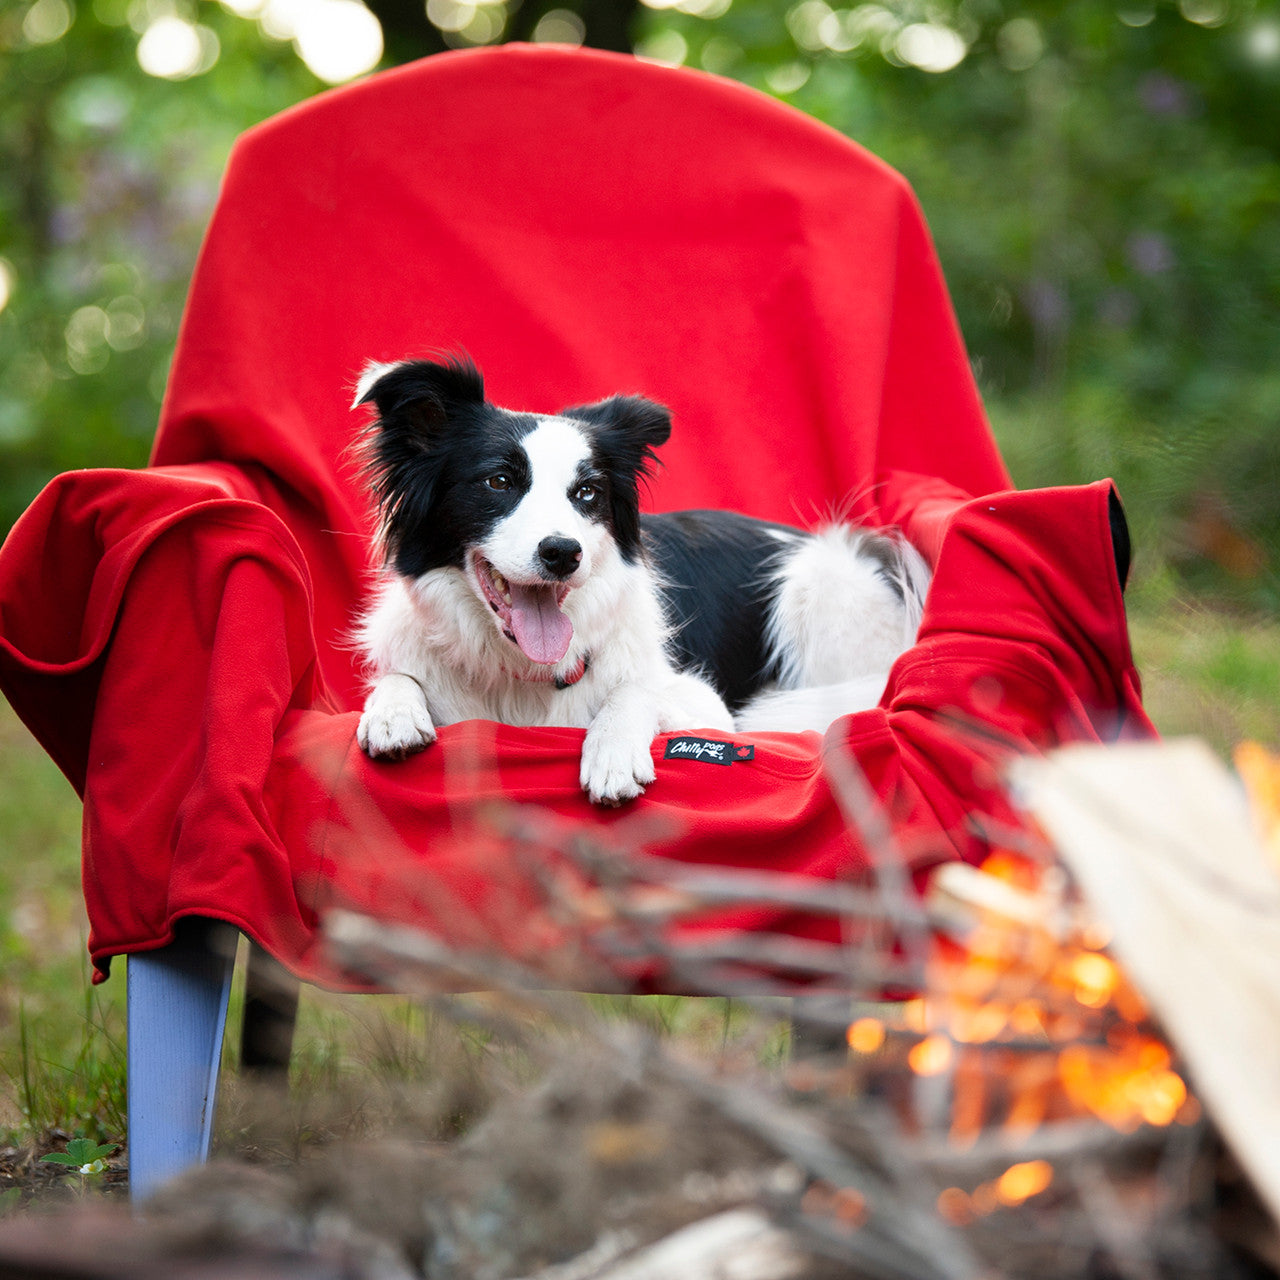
(580, 223)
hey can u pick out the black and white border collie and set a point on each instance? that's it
(522, 584)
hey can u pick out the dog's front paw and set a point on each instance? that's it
(614, 769)
(394, 732)
(396, 722)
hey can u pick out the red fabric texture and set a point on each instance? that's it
(581, 224)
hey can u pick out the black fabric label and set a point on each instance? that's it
(708, 750)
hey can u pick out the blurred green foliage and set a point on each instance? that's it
(1102, 179)
(1103, 182)
(107, 177)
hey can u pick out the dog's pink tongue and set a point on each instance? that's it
(542, 629)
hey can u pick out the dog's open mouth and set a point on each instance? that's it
(530, 613)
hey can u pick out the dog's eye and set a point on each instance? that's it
(498, 482)
(587, 493)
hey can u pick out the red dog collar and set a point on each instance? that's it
(570, 677)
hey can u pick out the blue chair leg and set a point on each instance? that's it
(177, 1013)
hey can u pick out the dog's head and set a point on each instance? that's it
(526, 506)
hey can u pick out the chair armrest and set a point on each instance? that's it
(68, 562)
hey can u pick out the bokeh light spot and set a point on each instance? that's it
(788, 78)
(931, 46)
(171, 48)
(1020, 43)
(1205, 13)
(719, 54)
(666, 47)
(560, 26)
(337, 39)
(47, 21)
(1138, 15)
(931, 1057)
(450, 15)
(1020, 1182)
(1262, 41)
(866, 1035)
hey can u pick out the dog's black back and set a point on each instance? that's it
(717, 573)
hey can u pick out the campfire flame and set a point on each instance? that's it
(1032, 1018)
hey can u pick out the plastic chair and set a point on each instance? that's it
(581, 223)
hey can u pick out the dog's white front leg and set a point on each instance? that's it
(396, 722)
(617, 763)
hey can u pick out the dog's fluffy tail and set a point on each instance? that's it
(796, 710)
(847, 602)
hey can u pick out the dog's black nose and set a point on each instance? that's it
(559, 556)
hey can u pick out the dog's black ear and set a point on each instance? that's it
(419, 394)
(627, 428)
(625, 431)
(416, 401)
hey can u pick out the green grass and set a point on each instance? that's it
(61, 1040)
(1206, 671)
(69, 1077)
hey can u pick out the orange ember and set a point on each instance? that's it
(866, 1035)
(931, 1056)
(1020, 1182)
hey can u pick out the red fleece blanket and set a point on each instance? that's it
(581, 224)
